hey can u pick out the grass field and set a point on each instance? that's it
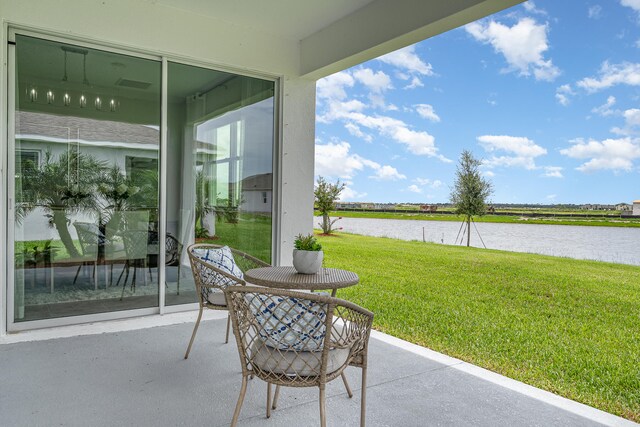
(605, 222)
(568, 326)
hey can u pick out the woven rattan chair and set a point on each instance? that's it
(209, 278)
(295, 339)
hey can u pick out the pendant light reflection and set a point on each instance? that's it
(65, 93)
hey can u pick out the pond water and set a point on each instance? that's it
(612, 244)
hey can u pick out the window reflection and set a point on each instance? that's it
(221, 138)
(86, 183)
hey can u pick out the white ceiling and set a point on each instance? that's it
(294, 19)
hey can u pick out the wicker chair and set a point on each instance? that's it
(207, 277)
(282, 339)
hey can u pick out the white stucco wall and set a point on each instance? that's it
(297, 163)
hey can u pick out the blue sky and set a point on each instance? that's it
(547, 93)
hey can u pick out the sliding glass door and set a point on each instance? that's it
(86, 152)
(219, 165)
(85, 219)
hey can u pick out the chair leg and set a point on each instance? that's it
(323, 415)
(275, 397)
(363, 400)
(346, 385)
(178, 293)
(193, 335)
(268, 400)
(226, 340)
(236, 413)
(77, 272)
(126, 277)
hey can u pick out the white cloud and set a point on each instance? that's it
(633, 4)
(333, 86)
(376, 81)
(387, 173)
(414, 189)
(489, 173)
(523, 151)
(632, 123)
(336, 160)
(426, 111)
(610, 75)
(518, 145)
(551, 196)
(416, 82)
(407, 59)
(605, 109)
(632, 117)
(426, 182)
(530, 7)
(553, 172)
(356, 131)
(563, 93)
(338, 109)
(595, 12)
(349, 193)
(522, 45)
(610, 154)
(420, 143)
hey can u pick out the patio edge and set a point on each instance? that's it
(563, 403)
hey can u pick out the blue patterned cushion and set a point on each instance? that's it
(221, 259)
(289, 323)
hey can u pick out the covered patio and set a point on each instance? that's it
(132, 372)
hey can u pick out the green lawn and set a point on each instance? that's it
(568, 326)
(512, 219)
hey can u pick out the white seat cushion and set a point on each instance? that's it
(216, 297)
(291, 362)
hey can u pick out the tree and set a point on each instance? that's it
(326, 196)
(471, 191)
(64, 187)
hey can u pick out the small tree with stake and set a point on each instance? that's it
(471, 191)
(326, 196)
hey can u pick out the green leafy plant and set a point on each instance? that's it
(307, 243)
(201, 232)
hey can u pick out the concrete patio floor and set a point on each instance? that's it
(138, 377)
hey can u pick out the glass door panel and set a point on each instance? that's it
(219, 167)
(86, 180)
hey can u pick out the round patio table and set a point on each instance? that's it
(288, 278)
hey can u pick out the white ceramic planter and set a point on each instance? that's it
(307, 262)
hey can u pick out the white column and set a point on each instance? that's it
(296, 157)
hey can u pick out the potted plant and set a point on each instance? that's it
(307, 255)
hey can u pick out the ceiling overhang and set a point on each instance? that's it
(383, 26)
(333, 35)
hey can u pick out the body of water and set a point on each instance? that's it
(612, 244)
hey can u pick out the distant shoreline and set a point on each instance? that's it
(530, 218)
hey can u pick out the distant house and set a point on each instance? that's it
(624, 207)
(256, 193)
(428, 208)
(636, 208)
